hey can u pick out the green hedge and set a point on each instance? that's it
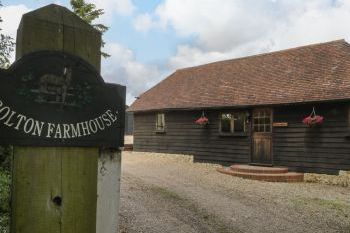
(5, 158)
(5, 184)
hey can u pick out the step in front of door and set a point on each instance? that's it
(270, 177)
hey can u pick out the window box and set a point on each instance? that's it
(159, 132)
(236, 134)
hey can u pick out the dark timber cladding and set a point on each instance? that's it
(183, 136)
(255, 107)
(323, 149)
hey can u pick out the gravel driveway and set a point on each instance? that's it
(168, 193)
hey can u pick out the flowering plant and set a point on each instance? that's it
(202, 121)
(313, 119)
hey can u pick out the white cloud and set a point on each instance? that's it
(112, 7)
(143, 22)
(192, 56)
(226, 29)
(11, 16)
(123, 68)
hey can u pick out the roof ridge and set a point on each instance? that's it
(267, 53)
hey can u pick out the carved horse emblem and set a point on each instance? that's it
(56, 89)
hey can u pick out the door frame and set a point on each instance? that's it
(252, 136)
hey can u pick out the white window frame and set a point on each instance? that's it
(232, 122)
(160, 118)
(349, 118)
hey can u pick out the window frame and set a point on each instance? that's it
(160, 128)
(348, 121)
(232, 123)
(262, 120)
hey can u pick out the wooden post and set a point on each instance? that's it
(86, 180)
(56, 28)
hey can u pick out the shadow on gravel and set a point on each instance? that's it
(165, 208)
(210, 220)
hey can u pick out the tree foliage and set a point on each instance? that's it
(5, 184)
(6, 48)
(89, 13)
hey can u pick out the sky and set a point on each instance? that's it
(150, 39)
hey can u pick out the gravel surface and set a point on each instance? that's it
(168, 193)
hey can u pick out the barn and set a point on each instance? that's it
(286, 108)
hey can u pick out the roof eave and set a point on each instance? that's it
(237, 106)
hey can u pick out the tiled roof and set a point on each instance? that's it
(319, 72)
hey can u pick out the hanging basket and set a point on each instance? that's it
(313, 119)
(203, 120)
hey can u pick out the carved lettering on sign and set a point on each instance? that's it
(30, 126)
(51, 98)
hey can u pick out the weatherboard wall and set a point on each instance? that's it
(324, 149)
(183, 136)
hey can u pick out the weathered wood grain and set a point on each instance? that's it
(42, 174)
(58, 29)
(79, 189)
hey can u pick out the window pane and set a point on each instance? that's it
(256, 121)
(226, 120)
(256, 128)
(267, 128)
(160, 121)
(266, 113)
(239, 122)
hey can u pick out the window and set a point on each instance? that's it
(349, 118)
(160, 122)
(233, 122)
(262, 121)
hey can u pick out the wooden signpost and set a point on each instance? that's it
(66, 125)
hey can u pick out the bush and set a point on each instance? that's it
(5, 187)
(4, 201)
(5, 157)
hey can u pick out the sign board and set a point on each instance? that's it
(57, 99)
(280, 124)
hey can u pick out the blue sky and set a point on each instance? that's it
(121, 30)
(150, 39)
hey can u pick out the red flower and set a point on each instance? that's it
(313, 120)
(202, 121)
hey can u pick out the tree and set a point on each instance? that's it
(6, 48)
(89, 13)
